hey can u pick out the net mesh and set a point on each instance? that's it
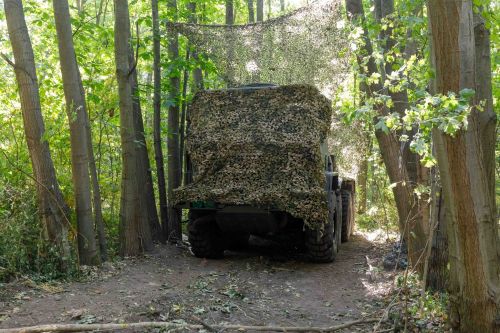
(307, 46)
(260, 147)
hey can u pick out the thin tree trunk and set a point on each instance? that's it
(251, 11)
(417, 213)
(160, 170)
(96, 198)
(78, 119)
(361, 184)
(130, 210)
(197, 85)
(182, 129)
(260, 10)
(174, 231)
(282, 6)
(150, 226)
(229, 19)
(52, 209)
(464, 169)
(229, 12)
(395, 158)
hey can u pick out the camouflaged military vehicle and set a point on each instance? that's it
(258, 164)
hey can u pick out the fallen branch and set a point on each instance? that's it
(171, 325)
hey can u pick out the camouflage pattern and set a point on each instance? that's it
(260, 147)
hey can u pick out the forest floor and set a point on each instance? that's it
(251, 288)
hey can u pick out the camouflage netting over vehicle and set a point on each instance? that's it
(309, 45)
(261, 148)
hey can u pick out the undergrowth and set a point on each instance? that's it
(412, 310)
(23, 250)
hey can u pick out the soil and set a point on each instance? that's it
(250, 288)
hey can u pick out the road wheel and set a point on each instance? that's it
(347, 215)
(205, 237)
(321, 247)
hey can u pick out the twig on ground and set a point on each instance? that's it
(171, 325)
(200, 321)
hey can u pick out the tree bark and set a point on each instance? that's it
(282, 6)
(260, 10)
(417, 212)
(160, 170)
(464, 164)
(388, 142)
(251, 11)
(174, 231)
(96, 197)
(131, 213)
(229, 12)
(52, 209)
(150, 226)
(78, 119)
(182, 126)
(197, 72)
(362, 181)
(437, 277)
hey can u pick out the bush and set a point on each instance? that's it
(22, 247)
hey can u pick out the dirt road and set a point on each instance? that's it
(246, 288)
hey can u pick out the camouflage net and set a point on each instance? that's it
(307, 46)
(260, 148)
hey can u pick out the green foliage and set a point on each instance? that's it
(23, 249)
(425, 310)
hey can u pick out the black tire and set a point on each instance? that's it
(205, 237)
(347, 218)
(322, 247)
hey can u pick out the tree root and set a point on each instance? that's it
(171, 325)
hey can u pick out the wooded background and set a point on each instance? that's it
(92, 135)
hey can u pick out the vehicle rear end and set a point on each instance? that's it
(256, 163)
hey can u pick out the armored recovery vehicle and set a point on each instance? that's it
(258, 164)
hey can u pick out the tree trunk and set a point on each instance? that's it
(160, 170)
(437, 277)
(78, 119)
(182, 126)
(260, 10)
(174, 231)
(397, 159)
(361, 184)
(96, 197)
(197, 72)
(251, 11)
(417, 213)
(150, 226)
(130, 210)
(229, 12)
(52, 209)
(282, 6)
(464, 163)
